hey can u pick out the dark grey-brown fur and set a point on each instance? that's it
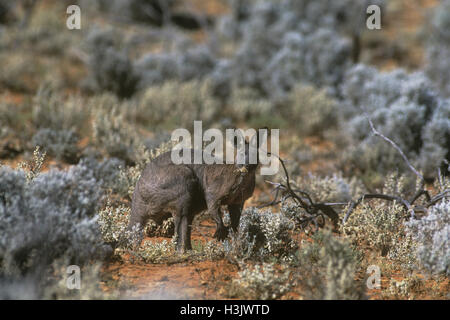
(185, 190)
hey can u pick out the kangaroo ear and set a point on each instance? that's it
(238, 136)
(261, 138)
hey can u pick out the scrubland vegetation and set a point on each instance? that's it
(83, 111)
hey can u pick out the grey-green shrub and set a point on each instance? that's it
(432, 232)
(178, 104)
(402, 106)
(61, 144)
(110, 67)
(156, 68)
(53, 111)
(59, 122)
(10, 120)
(262, 235)
(114, 134)
(438, 48)
(49, 217)
(310, 110)
(328, 268)
(262, 282)
(436, 140)
(279, 46)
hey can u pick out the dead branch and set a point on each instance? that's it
(303, 200)
(314, 210)
(396, 147)
(354, 204)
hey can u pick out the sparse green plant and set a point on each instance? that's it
(113, 224)
(59, 123)
(11, 122)
(247, 104)
(333, 188)
(50, 110)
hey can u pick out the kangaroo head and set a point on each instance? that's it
(248, 151)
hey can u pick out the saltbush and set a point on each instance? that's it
(50, 216)
(51, 110)
(312, 111)
(280, 46)
(61, 144)
(114, 134)
(262, 235)
(261, 282)
(110, 67)
(438, 48)
(432, 233)
(59, 123)
(327, 269)
(177, 104)
(403, 107)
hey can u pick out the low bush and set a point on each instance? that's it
(327, 269)
(156, 68)
(114, 134)
(432, 233)
(51, 110)
(261, 282)
(11, 120)
(262, 235)
(438, 48)
(63, 223)
(379, 226)
(245, 104)
(311, 111)
(59, 123)
(61, 144)
(178, 104)
(110, 67)
(402, 107)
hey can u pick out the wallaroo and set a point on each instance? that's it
(183, 190)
